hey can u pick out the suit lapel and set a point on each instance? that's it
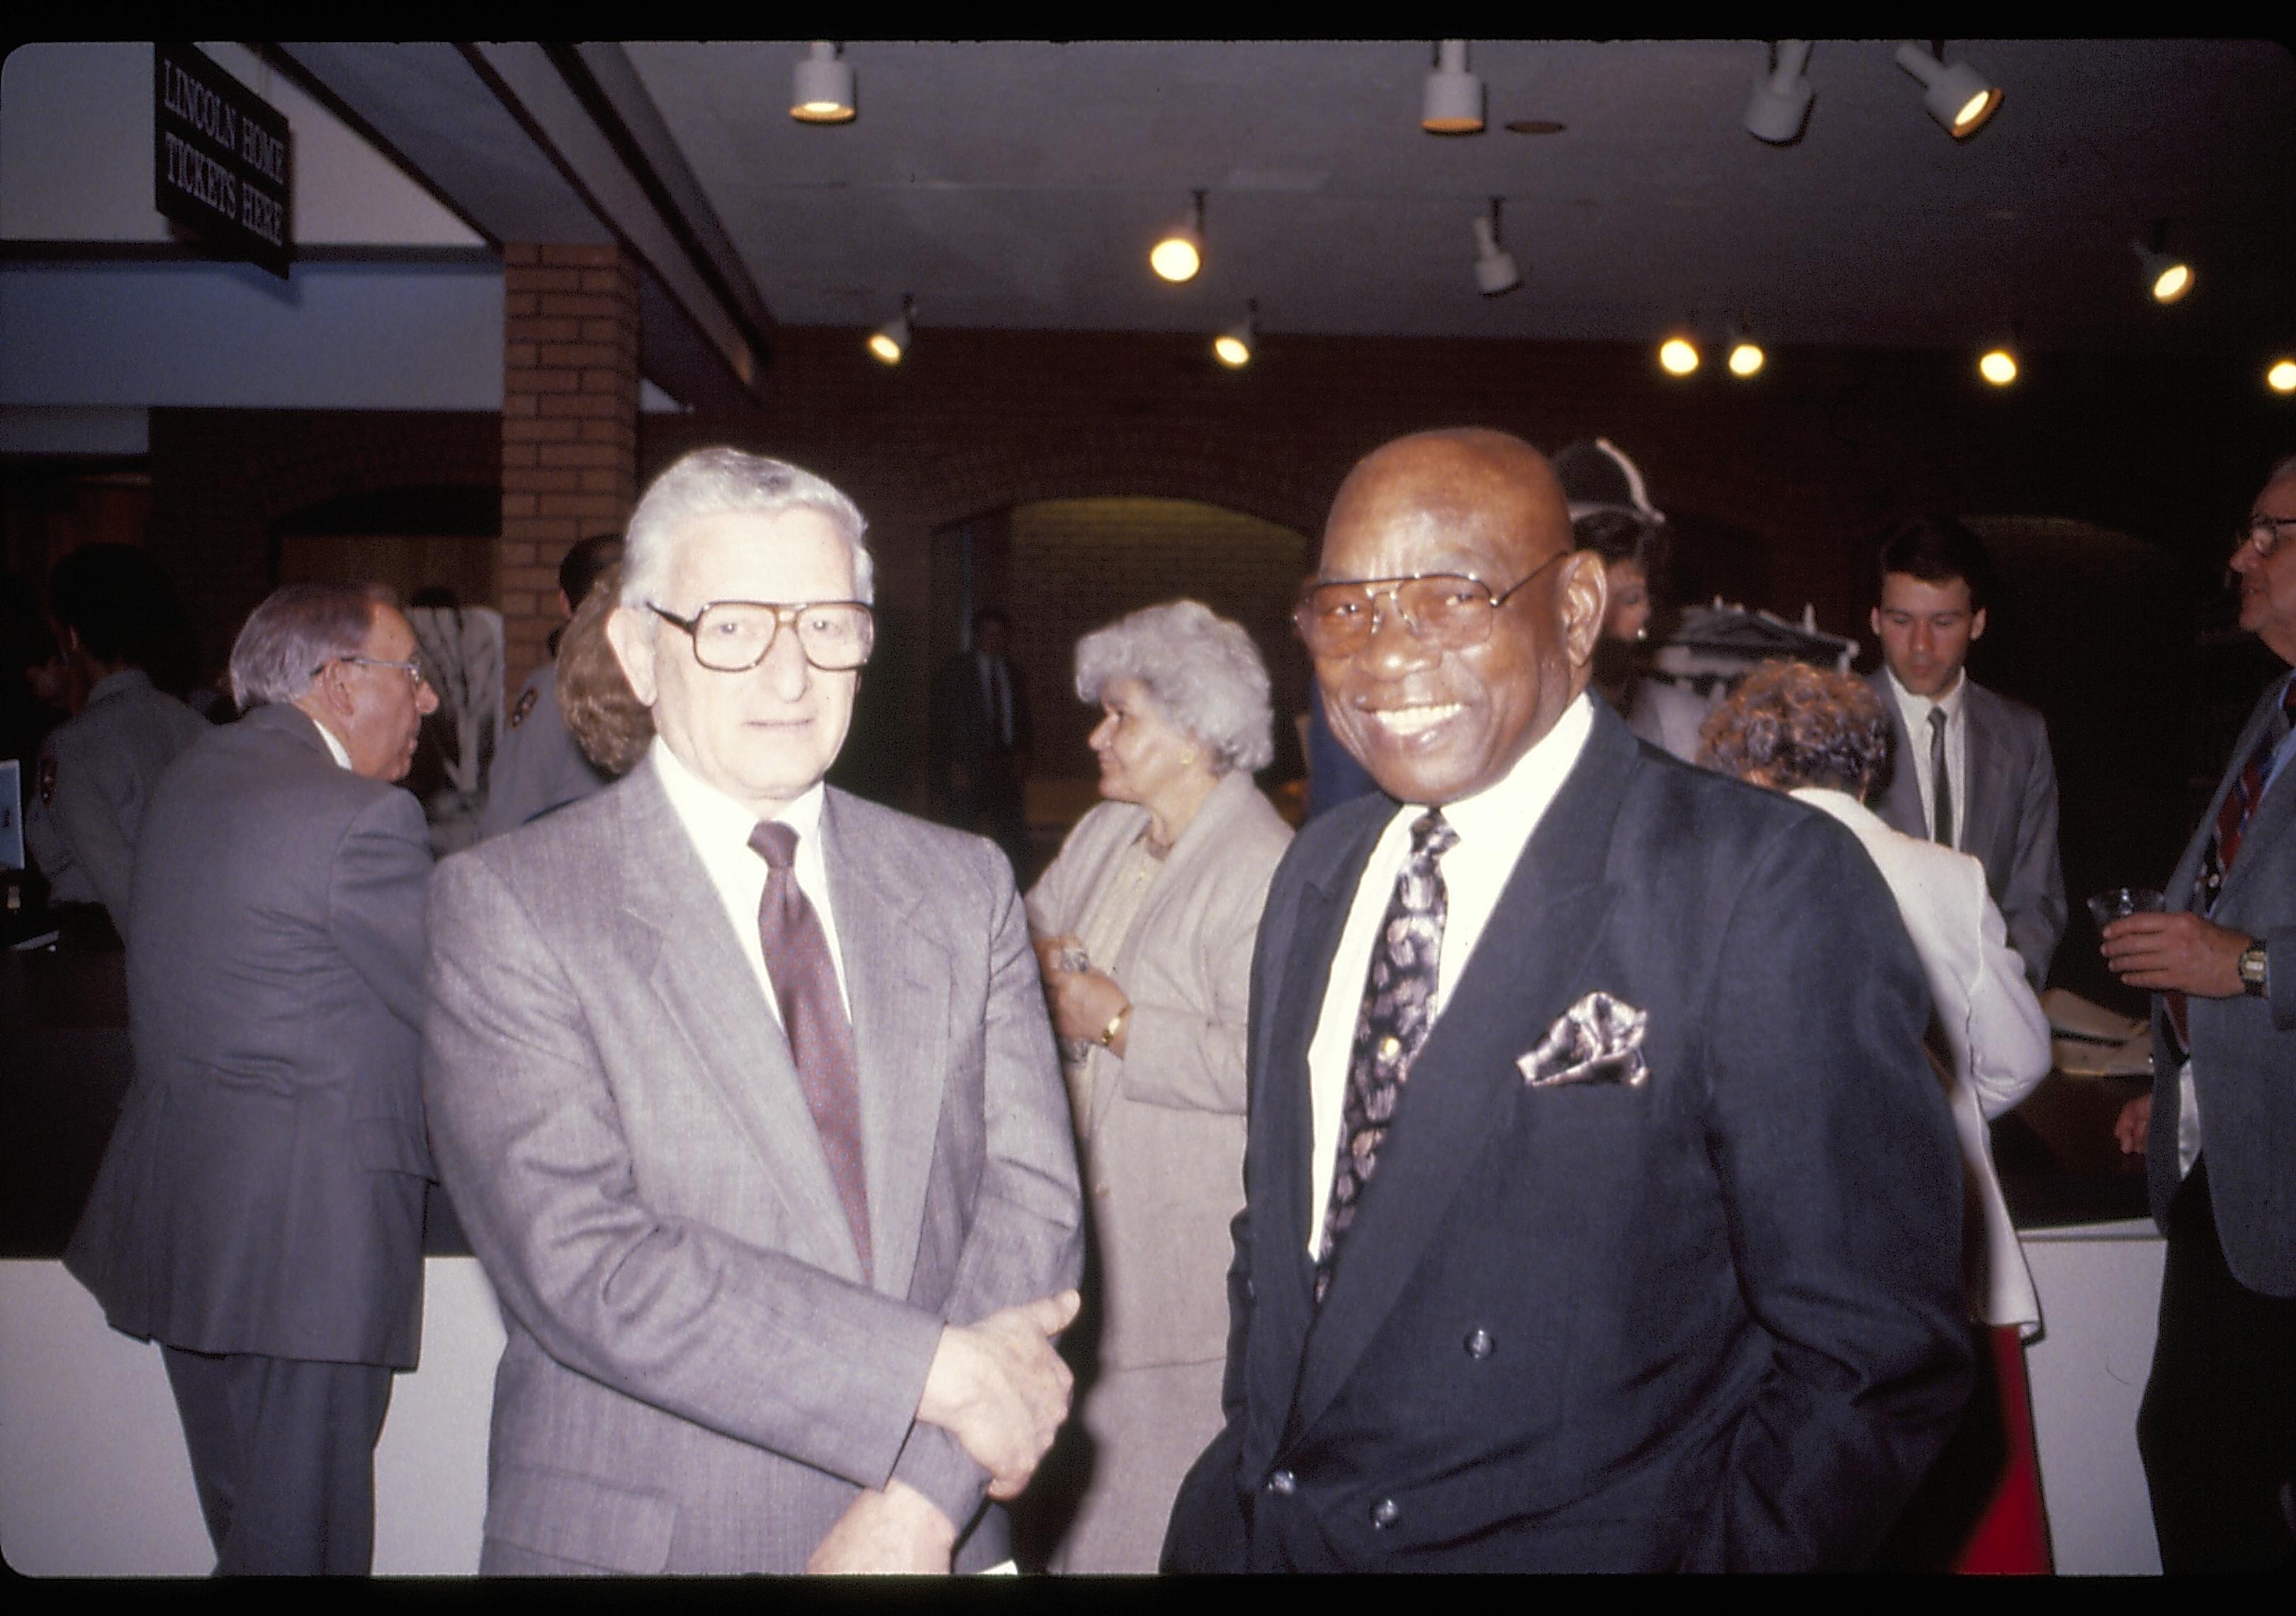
(898, 983)
(1900, 804)
(1983, 792)
(1516, 982)
(698, 972)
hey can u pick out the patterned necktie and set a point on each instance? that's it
(813, 1015)
(2232, 825)
(1399, 1008)
(1941, 787)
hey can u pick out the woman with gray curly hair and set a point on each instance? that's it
(1144, 926)
(1823, 737)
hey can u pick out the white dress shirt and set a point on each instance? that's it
(1915, 710)
(1493, 826)
(720, 829)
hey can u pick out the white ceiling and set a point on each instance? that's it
(1020, 185)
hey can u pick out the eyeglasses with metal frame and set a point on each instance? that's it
(1449, 610)
(415, 676)
(2264, 533)
(734, 637)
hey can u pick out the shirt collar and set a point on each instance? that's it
(1916, 708)
(114, 683)
(1515, 800)
(715, 819)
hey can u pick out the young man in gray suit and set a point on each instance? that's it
(745, 1093)
(2218, 1427)
(1970, 769)
(259, 1208)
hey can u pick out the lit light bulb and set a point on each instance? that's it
(1998, 366)
(1677, 356)
(2172, 282)
(1973, 112)
(887, 350)
(1175, 258)
(1231, 351)
(1747, 359)
(2282, 377)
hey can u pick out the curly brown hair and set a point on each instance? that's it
(603, 713)
(1789, 725)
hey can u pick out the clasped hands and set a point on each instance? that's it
(997, 1387)
(1083, 1002)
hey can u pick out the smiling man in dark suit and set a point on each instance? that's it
(1602, 1213)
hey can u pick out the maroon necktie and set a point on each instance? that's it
(813, 1015)
(2232, 824)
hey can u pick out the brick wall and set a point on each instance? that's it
(569, 424)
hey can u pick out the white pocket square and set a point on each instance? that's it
(1599, 1039)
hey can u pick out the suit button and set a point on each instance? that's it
(1383, 1514)
(1283, 1484)
(1478, 1343)
(1100, 1189)
(1250, 1290)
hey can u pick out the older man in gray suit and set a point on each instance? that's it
(745, 1091)
(2218, 1427)
(259, 1208)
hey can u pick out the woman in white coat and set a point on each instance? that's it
(1823, 737)
(1144, 926)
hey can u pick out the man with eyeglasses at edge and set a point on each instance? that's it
(259, 1207)
(1602, 1213)
(2217, 1424)
(745, 1093)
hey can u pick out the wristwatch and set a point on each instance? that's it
(2253, 978)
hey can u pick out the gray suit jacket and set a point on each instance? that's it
(2243, 1048)
(696, 1377)
(262, 1191)
(2011, 805)
(1164, 1142)
(539, 767)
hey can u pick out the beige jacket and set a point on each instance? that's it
(1164, 1145)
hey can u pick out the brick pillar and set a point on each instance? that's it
(570, 434)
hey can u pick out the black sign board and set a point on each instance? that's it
(221, 158)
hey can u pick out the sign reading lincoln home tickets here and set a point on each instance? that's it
(221, 159)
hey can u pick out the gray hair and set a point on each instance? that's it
(1202, 672)
(297, 630)
(709, 482)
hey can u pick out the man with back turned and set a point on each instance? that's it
(1601, 1212)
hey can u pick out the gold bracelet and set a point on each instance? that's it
(1107, 1039)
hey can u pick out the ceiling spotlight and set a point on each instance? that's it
(1746, 358)
(1233, 347)
(2167, 277)
(1677, 356)
(1495, 265)
(820, 86)
(890, 341)
(1959, 97)
(2281, 376)
(1998, 366)
(1453, 101)
(1780, 103)
(1181, 253)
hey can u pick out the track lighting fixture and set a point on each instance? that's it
(2280, 375)
(890, 341)
(1233, 347)
(1452, 104)
(1959, 97)
(1495, 265)
(1997, 366)
(1780, 104)
(2167, 276)
(1678, 355)
(820, 86)
(1180, 253)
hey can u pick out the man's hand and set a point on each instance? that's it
(2134, 1125)
(899, 1531)
(1001, 1391)
(2181, 951)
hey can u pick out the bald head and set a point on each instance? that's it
(1433, 711)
